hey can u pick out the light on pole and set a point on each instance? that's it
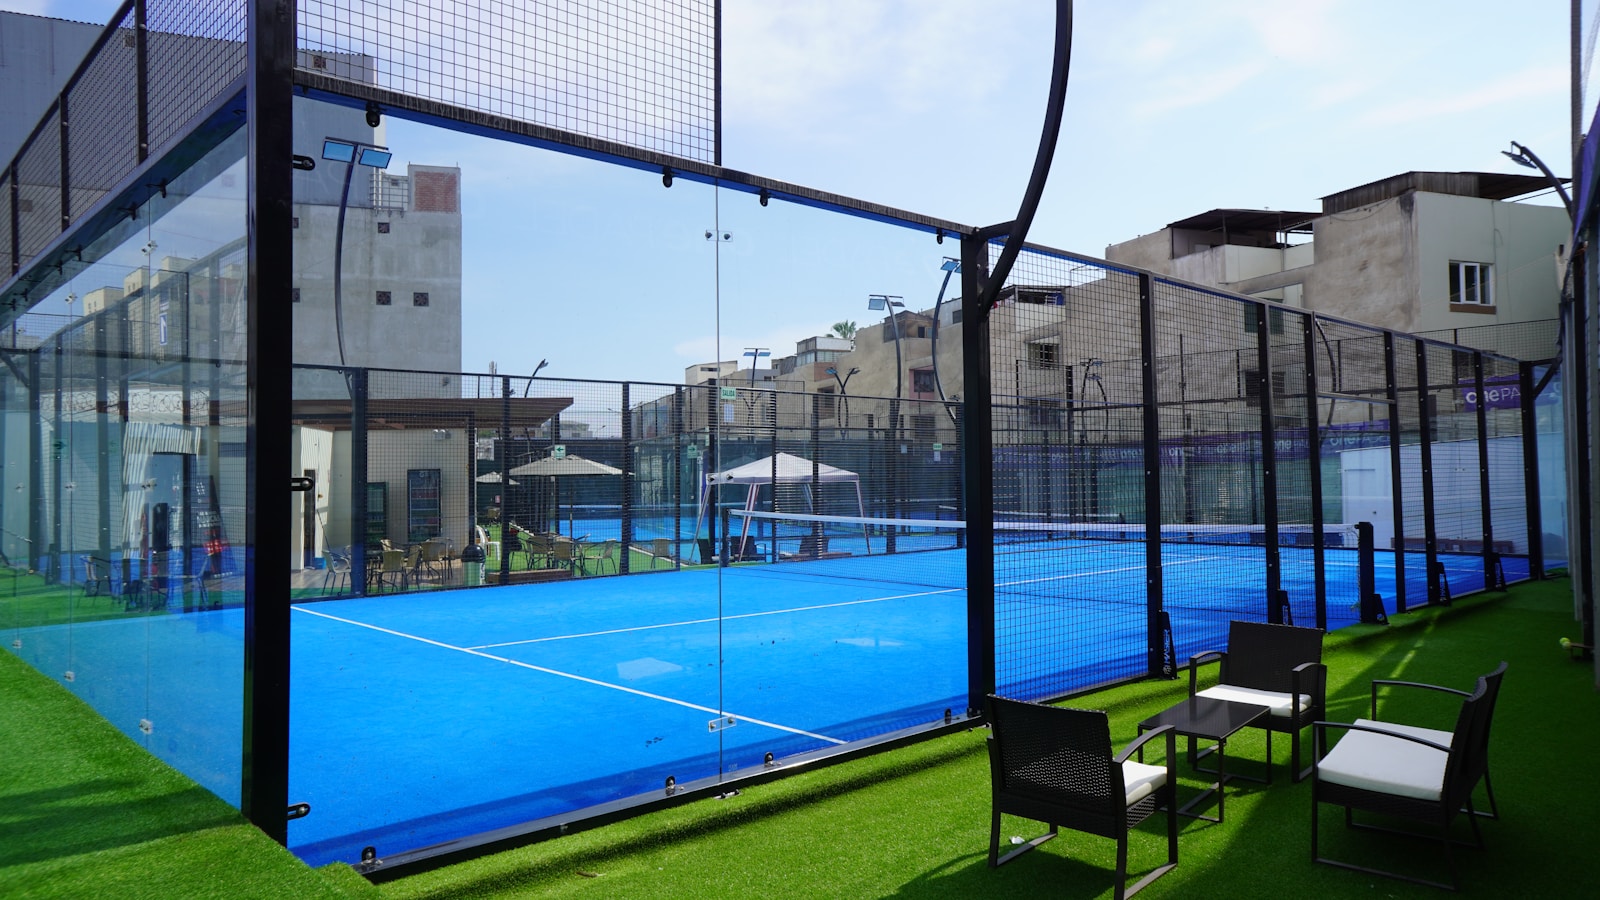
(891, 302)
(351, 153)
(1526, 158)
(755, 354)
(843, 382)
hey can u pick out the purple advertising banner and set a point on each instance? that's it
(1500, 392)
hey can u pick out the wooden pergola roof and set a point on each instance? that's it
(406, 413)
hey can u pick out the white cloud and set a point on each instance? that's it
(1533, 82)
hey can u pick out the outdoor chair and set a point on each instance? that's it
(392, 571)
(563, 554)
(1444, 737)
(432, 557)
(608, 554)
(96, 575)
(1276, 666)
(660, 551)
(1056, 765)
(537, 548)
(1380, 769)
(338, 568)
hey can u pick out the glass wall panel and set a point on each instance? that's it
(129, 428)
(1353, 430)
(492, 403)
(1552, 468)
(846, 602)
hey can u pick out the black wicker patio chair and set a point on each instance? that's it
(1056, 765)
(1276, 666)
(1380, 770)
(1439, 736)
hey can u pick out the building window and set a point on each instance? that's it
(384, 298)
(419, 298)
(294, 221)
(1043, 413)
(1044, 356)
(827, 404)
(1252, 316)
(922, 381)
(1471, 284)
(294, 295)
(1251, 389)
(383, 227)
(955, 316)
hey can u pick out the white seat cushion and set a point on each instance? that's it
(1379, 762)
(1281, 703)
(1141, 779)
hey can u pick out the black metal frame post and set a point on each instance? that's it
(1426, 411)
(506, 537)
(52, 567)
(102, 435)
(359, 561)
(269, 92)
(628, 481)
(1269, 465)
(1491, 567)
(977, 455)
(1396, 470)
(1156, 663)
(1314, 460)
(1530, 471)
(35, 461)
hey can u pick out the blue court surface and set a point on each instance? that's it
(419, 718)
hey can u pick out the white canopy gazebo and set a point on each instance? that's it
(783, 468)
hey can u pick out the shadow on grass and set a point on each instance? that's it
(101, 814)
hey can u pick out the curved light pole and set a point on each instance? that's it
(891, 302)
(351, 153)
(951, 265)
(1529, 160)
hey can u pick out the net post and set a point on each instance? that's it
(1371, 604)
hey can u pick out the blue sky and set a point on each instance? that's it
(1174, 108)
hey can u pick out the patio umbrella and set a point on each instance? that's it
(568, 466)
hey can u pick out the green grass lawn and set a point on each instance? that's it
(83, 809)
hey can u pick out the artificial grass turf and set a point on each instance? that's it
(84, 810)
(914, 822)
(910, 822)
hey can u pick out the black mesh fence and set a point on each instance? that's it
(642, 75)
(1277, 441)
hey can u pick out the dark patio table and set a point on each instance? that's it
(1213, 720)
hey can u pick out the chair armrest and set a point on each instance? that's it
(1319, 686)
(1138, 744)
(1200, 659)
(1319, 738)
(1376, 683)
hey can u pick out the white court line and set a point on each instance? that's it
(559, 674)
(770, 612)
(801, 609)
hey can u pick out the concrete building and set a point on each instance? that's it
(400, 296)
(37, 56)
(1417, 252)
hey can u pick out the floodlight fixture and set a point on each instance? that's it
(950, 264)
(755, 354)
(1526, 158)
(889, 302)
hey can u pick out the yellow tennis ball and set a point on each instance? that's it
(1566, 644)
